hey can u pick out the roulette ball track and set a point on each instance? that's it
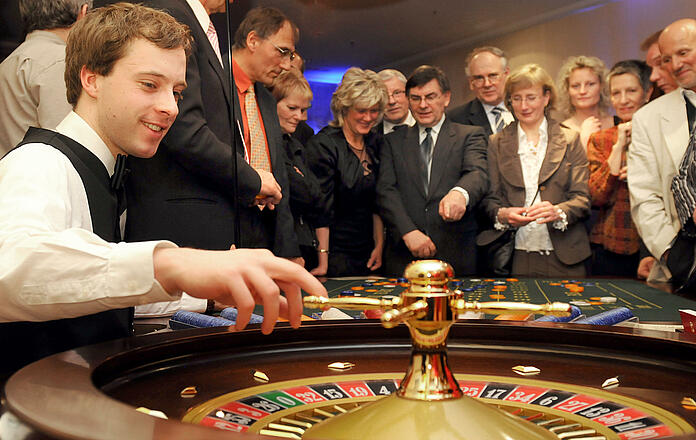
(92, 392)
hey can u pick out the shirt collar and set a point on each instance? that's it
(200, 13)
(522, 136)
(45, 35)
(241, 79)
(77, 129)
(408, 121)
(488, 107)
(435, 130)
(690, 95)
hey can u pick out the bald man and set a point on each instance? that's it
(660, 163)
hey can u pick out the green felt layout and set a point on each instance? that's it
(647, 303)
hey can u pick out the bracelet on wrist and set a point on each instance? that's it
(323, 251)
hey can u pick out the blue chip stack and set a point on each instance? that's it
(231, 314)
(183, 320)
(574, 313)
(610, 317)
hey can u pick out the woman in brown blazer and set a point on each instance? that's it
(539, 183)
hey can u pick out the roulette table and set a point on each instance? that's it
(92, 392)
(649, 303)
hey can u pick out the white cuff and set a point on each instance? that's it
(463, 191)
(498, 225)
(562, 223)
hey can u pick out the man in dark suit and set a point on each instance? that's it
(189, 196)
(486, 69)
(431, 176)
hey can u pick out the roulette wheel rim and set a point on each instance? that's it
(86, 371)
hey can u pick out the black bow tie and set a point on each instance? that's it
(120, 172)
(399, 127)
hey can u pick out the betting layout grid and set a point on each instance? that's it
(626, 421)
(591, 295)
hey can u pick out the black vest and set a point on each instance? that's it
(24, 342)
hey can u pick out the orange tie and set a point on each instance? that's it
(258, 157)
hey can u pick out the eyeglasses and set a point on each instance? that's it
(429, 98)
(396, 94)
(479, 80)
(285, 53)
(530, 99)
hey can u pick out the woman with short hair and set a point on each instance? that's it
(344, 158)
(614, 238)
(538, 173)
(294, 97)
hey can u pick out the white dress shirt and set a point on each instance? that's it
(533, 237)
(434, 133)
(52, 265)
(507, 116)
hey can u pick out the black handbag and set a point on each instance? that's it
(499, 253)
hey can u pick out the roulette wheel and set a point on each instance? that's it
(572, 381)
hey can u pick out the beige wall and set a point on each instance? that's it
(612, 32)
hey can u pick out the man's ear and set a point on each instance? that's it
(252, 41)
(89, 82)
(83, 11)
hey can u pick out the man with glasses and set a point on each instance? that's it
(397, 114)
(431, 176)
(185, 193)
(487, 69)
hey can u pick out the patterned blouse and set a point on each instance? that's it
(614, 228)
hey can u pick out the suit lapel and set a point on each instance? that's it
(270, 118)
(555, 151)
(478, 115)
(441, 154)
(412, 158)
(675, 126)
(508, 159)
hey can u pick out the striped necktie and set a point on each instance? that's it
(499, 121)
(684, 183)
(258, 156)
(213, 38)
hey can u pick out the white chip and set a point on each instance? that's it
(476, 280)
(610, 383)
(608, 299)
(152, 412)
(526, 370)
(580, 303)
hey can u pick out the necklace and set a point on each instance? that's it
(361, 154)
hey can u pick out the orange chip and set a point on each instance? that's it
(371, 290)
(512, 280)
(357, 288)
(554, 284)
(579, 289)
(489, 279)
(596, 303)
(497, 296)
(570, 286)
(514, 317)
(403, 284)
(595, 298)
(564, 281)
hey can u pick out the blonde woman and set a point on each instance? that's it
(538, 172)
(344, 158)
(584, 96)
